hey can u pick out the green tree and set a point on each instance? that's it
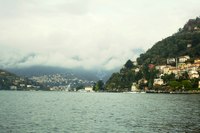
(186, 84)
(149, 74)
(195, 83)
(138, 75)
(99, 86)
(184, 76)
(175, 85)
(129, 64)
(168, 77)
(79, 87)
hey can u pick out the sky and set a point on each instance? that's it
(88, 34)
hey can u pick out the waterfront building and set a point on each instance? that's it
(13, 87)
(29, 86)
(158, 81)
(89, 89)
(199, 84)
(134, 87)
(22, 85)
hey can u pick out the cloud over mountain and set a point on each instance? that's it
(89, 34)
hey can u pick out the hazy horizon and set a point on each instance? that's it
(89, 34)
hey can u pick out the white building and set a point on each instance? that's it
(22, 85)
(158, 81)
(135, 63)
(189, 45)
(171, 60)
(193, 74)
(29, 86)
(137, 70)
(89, 89)
(183, 59)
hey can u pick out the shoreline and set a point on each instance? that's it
(174, 92)
(130, 92)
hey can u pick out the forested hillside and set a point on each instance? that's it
(185, 42)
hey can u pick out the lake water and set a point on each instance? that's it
(64, 112)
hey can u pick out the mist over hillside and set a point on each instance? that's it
(93, 75)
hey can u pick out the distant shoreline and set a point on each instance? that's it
(174, 92)
(146, 92)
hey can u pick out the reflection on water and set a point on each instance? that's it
(98, 112)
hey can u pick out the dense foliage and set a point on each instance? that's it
(175, 45)
(99, 86)
(123, 80)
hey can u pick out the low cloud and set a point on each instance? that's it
(87, 34)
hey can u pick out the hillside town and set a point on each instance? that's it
(62, 82)
(179, 67)
(12, 82)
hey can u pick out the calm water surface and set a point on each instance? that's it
(63, 112)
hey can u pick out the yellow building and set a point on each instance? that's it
(197, 61)
(134, 87)
(199, 84)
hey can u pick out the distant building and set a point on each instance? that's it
(171, 60)
(181, 65)
(137, 70)
(89, 89)
(196, 28)
(22, 85)
(134, 87)
(158, 81)
(3, 73)
(29, 86)
(166, 70)
(199, 84)
(197, 61)
(192, 68)
(193, 74)
(174, 71)
(160, 67)
(142, 81)
(37, 87)
(13, 87)
(183, 59)
(189, 45)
